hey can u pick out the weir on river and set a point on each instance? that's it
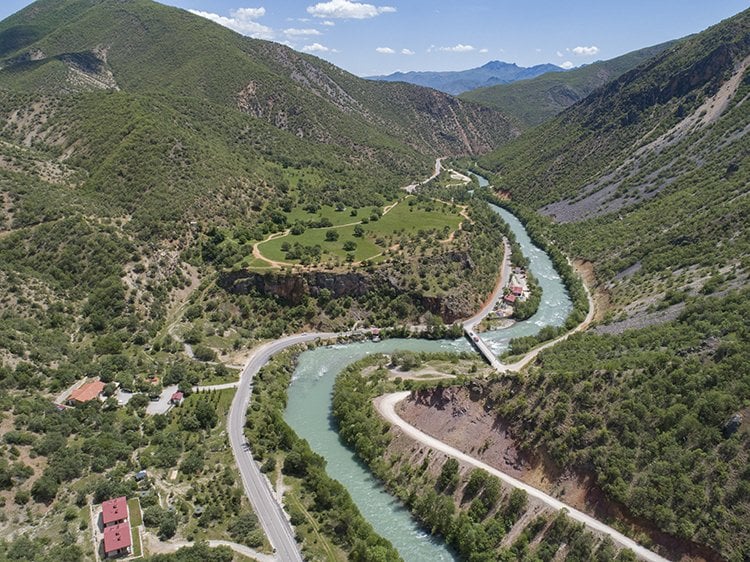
(309, 406)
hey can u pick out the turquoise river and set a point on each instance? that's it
(309, 407)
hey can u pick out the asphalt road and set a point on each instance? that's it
(497, 294)
(257, 487)
(386, 405)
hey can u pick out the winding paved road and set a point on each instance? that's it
(257, 487)
(386, 406)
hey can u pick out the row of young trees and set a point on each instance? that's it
(325, 499)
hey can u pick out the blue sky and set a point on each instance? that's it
(384, 36)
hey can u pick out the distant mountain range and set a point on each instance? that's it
(530, 102)
(456, 82)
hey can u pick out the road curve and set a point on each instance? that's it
(386, 406)
(271, 515)
(155, 546)
(531, 355)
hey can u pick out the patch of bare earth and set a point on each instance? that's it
(457, 416)
(403, 451)
(601, 296)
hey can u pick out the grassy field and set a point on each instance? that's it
(366, 248)
(337, 218)
(407, 218)
(136, 535)
(134, 508)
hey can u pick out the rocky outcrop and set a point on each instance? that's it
(293, 288)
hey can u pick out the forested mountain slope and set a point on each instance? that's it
(648, 179)
(531, 102)
(180, 91)
(650, 174)
(135, 137)
(145, 125)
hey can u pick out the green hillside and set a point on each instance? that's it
(534, 101)
(164, 125)
(648, 176)
(143, 150)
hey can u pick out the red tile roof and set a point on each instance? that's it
(117, 537)
(177, 396)
(516, 290)
(510, 298)
(87, 392)
(114, 510)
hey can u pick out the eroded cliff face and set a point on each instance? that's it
(292, 289)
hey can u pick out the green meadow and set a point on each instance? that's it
(407, 218)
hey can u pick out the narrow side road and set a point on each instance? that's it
(496, 294)
(531, 355)
(155, 546)
(386, 406)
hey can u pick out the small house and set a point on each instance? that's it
(117, 540)
(516, 290)
(510, 298)
(86, 392)
(140, 476)
(114, 512)
(177, 398)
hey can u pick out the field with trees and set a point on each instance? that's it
(362, 239)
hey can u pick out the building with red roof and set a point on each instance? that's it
(516, 290)
(177, 398)
(114, 512)
(86, 392)
(510, 298)
(117, 540)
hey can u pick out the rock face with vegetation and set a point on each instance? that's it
(477, 515)
(649, 426)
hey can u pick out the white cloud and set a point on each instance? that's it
(242, 21)
(484, 50)
(586, 51)
(559, 54)
(460, 48)
(294, 32)
(318, 48)
(344, 9)
(385, 51)
(538, 50)
(567, 65)
(329, 23)
(249, 13)
(407, 52)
